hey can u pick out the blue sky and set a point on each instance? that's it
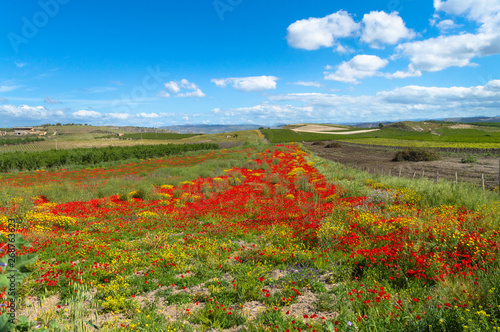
(158, 63)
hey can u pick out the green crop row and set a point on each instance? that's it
(57, 158)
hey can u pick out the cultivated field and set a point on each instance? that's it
(252, 238)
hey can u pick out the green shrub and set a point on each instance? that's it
(415, 154)
(469, 160)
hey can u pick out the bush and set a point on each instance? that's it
(469, 160)
(415, 154)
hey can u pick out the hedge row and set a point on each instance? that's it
(91, 156)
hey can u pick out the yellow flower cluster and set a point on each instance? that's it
(147, 214)
(45, 219)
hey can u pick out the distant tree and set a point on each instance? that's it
(380, 125)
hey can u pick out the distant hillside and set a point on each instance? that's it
(475, 119)
(371, 124)
(210, 129)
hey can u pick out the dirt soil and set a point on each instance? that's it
(379, 160)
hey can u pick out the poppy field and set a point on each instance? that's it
(280, 240)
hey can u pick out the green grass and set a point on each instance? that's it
(161, 136)
(444, 135)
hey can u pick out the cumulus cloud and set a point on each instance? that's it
(313, 33)
(163, 94)
(379, 28)
(360, 66)
(29, 112)
(172, 86)
(175, 87)
(435, 54)
(411, 72)
(148, 115)
(247, 84)
(446, 25)
(119, 116)
(84, 114)
(196, 93)
(406, 102)
(50, 100)
(475, 10)
(439, 53)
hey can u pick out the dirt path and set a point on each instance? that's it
(379, 160)
(265, 139)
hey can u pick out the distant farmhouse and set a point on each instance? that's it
(21, 131)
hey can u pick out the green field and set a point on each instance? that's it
(433, 135)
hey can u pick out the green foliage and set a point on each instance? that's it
(14, 271)
(415, 154)
(159, 136)
(400, 131)
(24, 140)
(469, 160)
(58, 158)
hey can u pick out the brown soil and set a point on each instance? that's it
(379, 160)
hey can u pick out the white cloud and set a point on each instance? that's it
(475, 10)
(435, 54)
(247, 84)
(86, 114)
(380, 28)
(439, 53)
(29, 112)
(190, 89)
(172, 87)
(315, 84)
(361, 66)
(20, 64)
(163, 94)
(409, 102)
(7, 88)
(195, 93)
(50, 100)
(313, 33)
(446, 25)
(411, 72)
(148, 115)
(120, 116)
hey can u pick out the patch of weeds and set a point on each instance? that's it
(318, 287)
(469, 160)
(324, 303)
(150, 319)
(301, 275)
(217, 315)
(170, 298)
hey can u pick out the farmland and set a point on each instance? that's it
(411, 134)
(252, 238)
